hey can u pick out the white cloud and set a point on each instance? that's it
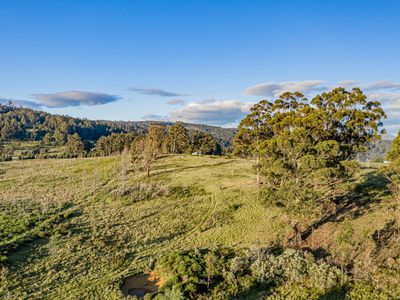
(223, 113)
(74, 98)
(274, 89)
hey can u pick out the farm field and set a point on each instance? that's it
(75, 228)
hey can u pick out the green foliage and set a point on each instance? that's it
(145, 150)
(10, 225)
(394, 152)
(74, 144)
(222, 273)
(344, 244)
(305, 146)
(204, 143)
(178, 138)
(364, 290)
(113, 144)
(26, 222)
(392, 173)
(23, 124)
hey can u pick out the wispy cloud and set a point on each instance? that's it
(274, 89)
(156, 92)
(348, 84)
(390, 103)
(231, 112)
(381, 85)
(74, 98)
(176, 101)
(224, 113)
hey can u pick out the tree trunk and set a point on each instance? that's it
(297, 232)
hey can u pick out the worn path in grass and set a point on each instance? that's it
(217, 206)
(205, 202)
(176, 242)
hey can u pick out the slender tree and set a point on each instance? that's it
(254, 129)
(144, 153)
(178, 138)
(157, 135)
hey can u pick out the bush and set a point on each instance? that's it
(223, 273)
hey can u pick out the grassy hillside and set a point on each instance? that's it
(74, 229)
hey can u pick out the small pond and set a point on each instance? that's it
(141, 284)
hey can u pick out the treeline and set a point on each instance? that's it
(175, 139)
(145, 150)
(159, 140)
(24, 124)
(29, 125)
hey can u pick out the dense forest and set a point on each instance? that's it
(24, 124)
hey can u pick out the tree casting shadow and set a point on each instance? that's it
(370, 190)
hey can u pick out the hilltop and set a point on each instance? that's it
(24, 124)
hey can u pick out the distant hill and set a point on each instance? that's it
(25, 124)
(377, 150)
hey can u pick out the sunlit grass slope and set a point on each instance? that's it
(77, 227)
(74, 228)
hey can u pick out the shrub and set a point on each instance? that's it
(224, 273)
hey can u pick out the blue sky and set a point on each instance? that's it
(193, 60)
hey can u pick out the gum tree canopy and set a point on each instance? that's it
(304, 148)
(345, 118)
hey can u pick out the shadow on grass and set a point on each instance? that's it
(261, 292)
(372, 188)
(335, 294)
(25, 251)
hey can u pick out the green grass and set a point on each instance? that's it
(21, 148)
(79, 226)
